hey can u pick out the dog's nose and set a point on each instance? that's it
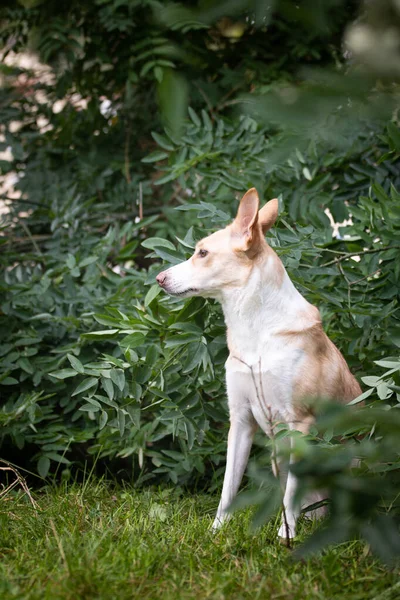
(161, 277)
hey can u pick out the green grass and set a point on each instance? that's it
(103, 542)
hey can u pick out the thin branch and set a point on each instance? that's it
(348, 286)
(127, 142)
(223, 103)
(322, 249)
(25, 240)
(366, 277)
(206, 99)
(23, 200)
(27, 231)
(140, 202)
(18, 481)
(360, 253)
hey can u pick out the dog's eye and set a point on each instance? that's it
(202, 253)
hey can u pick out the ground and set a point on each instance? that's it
(99, 541)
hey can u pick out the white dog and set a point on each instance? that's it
(279, 356)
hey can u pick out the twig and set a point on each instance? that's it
(6, 198)
(34, 244)
(19, 480)
(224, 99)
(207, 100)
(366, 277)
(140, 202)
(127, 141)
(360, 253)
(348, 285)
(31, 238)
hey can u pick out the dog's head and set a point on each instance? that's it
(224, 259)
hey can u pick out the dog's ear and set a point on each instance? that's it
(268, 214)
(245, 223)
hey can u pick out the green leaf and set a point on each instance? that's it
(383, 391)
(71, 262)
(166, 178)
(58, 458)
(155, 157)
(88, 408)
(63, 373)
(104, 333)
(152, 294)
(121, 422)
(152, 355)
(108, 387)
(394, 135)
(88, 261)
(93, 402)
(190, 433)
(131, 356)
(43, 466)
(179, 340)
(162, 141)
(158, 73)
(132, 340)
(105, 400)
(206, 120)
(172, 257)
(9, 381)
(25, 365)
(86, 384)
(118, 377)
(156, 242)
(361, 397)
(380, 192)
(106, 320)
(194, 117)
(187, 328)
(371, 381)
(103, 419)
(388, 364)
(76, 363)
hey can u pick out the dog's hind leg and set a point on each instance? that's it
(291, 508)
(240, 439)
(290, 511)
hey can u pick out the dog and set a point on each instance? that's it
(279, 356)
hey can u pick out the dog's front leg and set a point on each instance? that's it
(240, 439)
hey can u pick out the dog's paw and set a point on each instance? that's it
(287, 532)
(219, 520)
(217, 524)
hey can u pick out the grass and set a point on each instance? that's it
(103, 542)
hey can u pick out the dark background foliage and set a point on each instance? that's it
(133, 136)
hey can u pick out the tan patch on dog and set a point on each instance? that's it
(324, 374)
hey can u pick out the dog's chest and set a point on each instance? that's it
(260, 377)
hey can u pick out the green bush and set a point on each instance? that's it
(94, 354)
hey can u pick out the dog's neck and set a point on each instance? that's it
(267, 303)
